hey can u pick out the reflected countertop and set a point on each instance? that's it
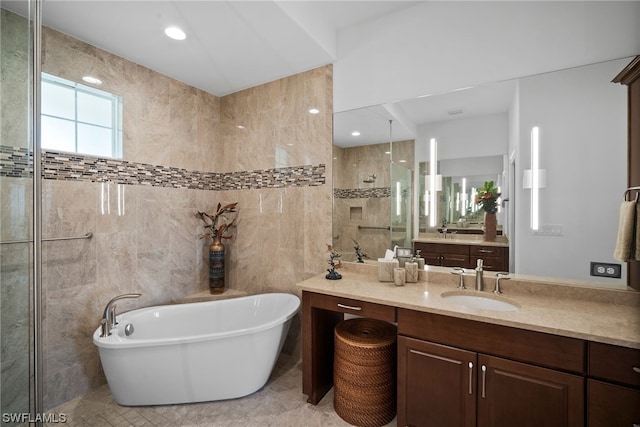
(610, 316)
(461, 239)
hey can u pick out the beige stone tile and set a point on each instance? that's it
(279, 403)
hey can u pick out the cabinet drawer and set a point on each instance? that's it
(612, 405)
(455, 260)
(490, 263)
(542, 349)
(359, 308)
(487, 251)
(613, 363)
(442, 248)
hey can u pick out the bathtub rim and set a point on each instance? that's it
(117, 341)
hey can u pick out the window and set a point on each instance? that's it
(80, 119)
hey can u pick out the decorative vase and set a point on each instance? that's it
(216, 266)
(490, 226)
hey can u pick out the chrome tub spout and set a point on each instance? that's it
(109, 314)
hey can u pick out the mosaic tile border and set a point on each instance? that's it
(361, 193)
(16, 162)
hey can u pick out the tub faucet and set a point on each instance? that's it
(109, 314)
(479, 276)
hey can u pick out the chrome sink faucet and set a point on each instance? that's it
(459, 271)
(499, 276)
(479, 273)
(109, 314)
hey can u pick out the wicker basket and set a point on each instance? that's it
(364, 372)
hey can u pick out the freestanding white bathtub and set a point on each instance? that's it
(196, 352)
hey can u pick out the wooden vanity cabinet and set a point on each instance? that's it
(320, 315)
(613, 387)
(445, 255)
(495, 258)
(486, 375)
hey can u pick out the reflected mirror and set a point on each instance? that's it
(560, 194)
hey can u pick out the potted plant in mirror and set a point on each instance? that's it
(487, 198)
(217, 250)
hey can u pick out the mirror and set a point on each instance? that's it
(485, 133)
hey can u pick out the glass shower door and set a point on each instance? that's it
(401, 206)
(16, 188)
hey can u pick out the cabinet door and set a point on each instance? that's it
(612, 405)
(436, 385)
(516, 394)
(431, 258)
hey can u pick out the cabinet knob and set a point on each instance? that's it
(636, 369)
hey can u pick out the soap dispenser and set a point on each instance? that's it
(419, 260)
(411, 268)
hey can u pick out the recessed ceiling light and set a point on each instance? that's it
(402, 161)
(240, 127)
(92, 80)
(314, 111)
(355, 133)
(175, 33)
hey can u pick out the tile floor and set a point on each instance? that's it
(279, 403)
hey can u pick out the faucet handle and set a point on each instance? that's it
(460, 272)
(112, 316)
(501, 275)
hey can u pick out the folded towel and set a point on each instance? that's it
(625, 246)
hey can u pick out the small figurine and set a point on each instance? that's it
(359, 253)
(334, 262)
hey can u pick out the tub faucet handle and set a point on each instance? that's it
(112, 315)
(109, 314)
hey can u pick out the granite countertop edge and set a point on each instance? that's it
(598, 321)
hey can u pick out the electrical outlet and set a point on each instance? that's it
(603, 269)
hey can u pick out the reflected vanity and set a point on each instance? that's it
(549, 223)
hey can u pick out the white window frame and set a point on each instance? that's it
(116, 114)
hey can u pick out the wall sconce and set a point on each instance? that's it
(398, 197)
(433, 181)
(463, 196)
(535, 178)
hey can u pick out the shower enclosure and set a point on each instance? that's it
(20, 393)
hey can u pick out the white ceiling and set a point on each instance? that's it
(230, 45)
(234, 45)
(406, 116)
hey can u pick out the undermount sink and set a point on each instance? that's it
(479, 302)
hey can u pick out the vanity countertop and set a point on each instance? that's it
(462, 239)
(606, 316)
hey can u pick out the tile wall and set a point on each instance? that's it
(358, 203)
(183, 152)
